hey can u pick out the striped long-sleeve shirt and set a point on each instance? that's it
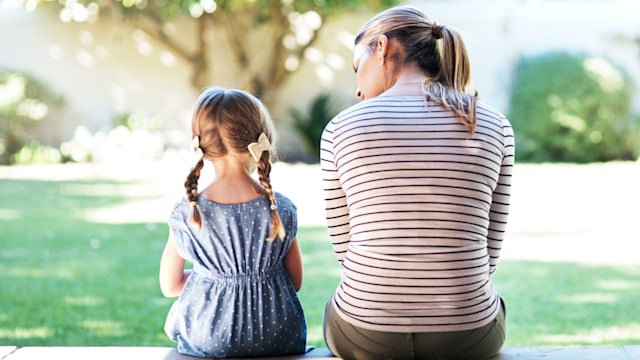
(416, 209)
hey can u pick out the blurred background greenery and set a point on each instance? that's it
(119, 77)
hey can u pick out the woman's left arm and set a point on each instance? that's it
(173, 275)
(499, 212)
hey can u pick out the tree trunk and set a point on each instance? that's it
(200, 64)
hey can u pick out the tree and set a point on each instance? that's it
(291, 25)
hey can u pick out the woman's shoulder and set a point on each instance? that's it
(382, 105)
(489, 110)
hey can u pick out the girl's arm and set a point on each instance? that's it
(293, 264)
(173, 275)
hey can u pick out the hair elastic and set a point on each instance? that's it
(274, 207)
(436, 30)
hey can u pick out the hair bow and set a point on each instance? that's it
(197, 150)
(256, 148)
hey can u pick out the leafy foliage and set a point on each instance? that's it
(572, 108)
(310, 123)
(24, 102)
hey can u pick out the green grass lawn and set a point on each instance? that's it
(65, 280)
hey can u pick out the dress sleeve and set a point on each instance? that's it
(291, 224)
(337, 211)
(499, 211)
(182, 233)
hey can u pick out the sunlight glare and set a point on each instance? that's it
(55, 52)
(9, 214)
(86, 38)
(346, 39)
(325, 74)
(85, 59)
(313, 20)
(39, 273)
(209, 6)
(608, 77)
(12, 90)
(83, 300)
(292, 63)
(314, 55)
(594, 336)
(335, 61)
(143, 45)
(104, 327)
(23, 333)
(195, 10)
(167, 59)
(589, 298)
(617, 285)
(314, 334)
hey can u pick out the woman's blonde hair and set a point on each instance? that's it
(446, 63)
(229, 120)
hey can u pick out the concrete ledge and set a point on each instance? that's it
(6, 350)
(126, 353)
(627, 352)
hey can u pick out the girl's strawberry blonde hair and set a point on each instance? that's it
(226, 120)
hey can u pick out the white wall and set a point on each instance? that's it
(100, 69)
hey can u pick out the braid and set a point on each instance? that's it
(264, 171)
(191, 185)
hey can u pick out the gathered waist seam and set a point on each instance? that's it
(252, 277)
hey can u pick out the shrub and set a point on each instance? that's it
(24, 102)
(572, 108)
(310, 123)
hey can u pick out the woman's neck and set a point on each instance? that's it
(408, 82)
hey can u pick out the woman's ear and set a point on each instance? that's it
(382, 47)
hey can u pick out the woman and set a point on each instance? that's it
(417, 184)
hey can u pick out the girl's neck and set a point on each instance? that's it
(233, 183)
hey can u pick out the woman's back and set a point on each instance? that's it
(418, 244)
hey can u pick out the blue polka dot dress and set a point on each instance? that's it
(239, 300)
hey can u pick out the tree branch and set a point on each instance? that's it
(154, 26)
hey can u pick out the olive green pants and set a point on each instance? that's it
(351, 342)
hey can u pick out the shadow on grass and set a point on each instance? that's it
(65, 280)
(69, 281)
(560, 304)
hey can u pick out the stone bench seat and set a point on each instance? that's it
(628, 352)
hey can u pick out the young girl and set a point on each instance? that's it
(239, 300)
